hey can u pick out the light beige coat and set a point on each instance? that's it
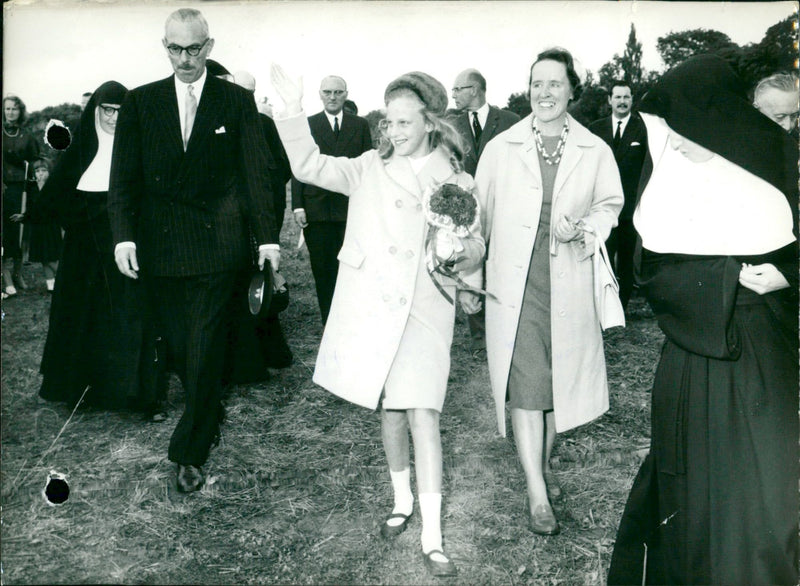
(587, 186)
(387, 322)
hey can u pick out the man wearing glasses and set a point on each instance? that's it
(478, 123)
(189, 188)
(320, 213)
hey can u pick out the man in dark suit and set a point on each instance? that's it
(625, 133)
(478, 123)
(189, 189)
(322, 214)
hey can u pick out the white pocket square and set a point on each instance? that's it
(220, 130)
(636, 144)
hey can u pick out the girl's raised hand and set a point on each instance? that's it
(291, 92)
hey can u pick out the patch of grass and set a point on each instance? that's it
(298, 485)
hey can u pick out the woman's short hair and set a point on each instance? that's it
(23, 113)
(565, 58)
(443, 134)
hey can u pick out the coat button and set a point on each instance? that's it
(208, 226)
(166, 230)
(562, 313)
(392, 250)
(561, 274)
(402, 301)
(419, 207)
(158, 178)
(399, 203)
(409, 254)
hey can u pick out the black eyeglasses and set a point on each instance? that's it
(109, 110)
(191, 50)
(463, 87)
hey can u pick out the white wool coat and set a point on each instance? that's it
(387, 319)
(587, 186)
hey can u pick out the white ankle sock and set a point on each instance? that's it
(51, 283)
(403, 497)
(430, 506)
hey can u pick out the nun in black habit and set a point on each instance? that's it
(100, 333)
(716, 499)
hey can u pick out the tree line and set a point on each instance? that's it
(777, 51)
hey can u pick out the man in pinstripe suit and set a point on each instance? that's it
(189, 190)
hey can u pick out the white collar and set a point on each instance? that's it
(483, 114)
(332, 117)
(198, 84)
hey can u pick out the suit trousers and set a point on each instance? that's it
(191, 314)
(622, 242)
(324, 240)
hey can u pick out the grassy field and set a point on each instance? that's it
(298, 485)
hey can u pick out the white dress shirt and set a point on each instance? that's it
(331, 118)
(614, 121)
(483, 116)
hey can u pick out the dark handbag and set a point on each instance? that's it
(693, 299)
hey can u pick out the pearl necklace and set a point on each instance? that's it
(555, 158)
(8, 134)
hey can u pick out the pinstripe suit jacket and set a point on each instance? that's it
(191, 212)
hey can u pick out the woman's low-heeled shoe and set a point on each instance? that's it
(544, 522)
(388, 530)
(437, 568)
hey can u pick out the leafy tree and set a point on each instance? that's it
(519, 103)
(592, 105)
(676, 47)
(627, 67)
(631, 60)
(69, 114)
(775, 52)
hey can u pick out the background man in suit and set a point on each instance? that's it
(625, 132)
(189, 187)
(776, 97)
(322, 214)
(478, 123)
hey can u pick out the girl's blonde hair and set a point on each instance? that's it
(443, 133)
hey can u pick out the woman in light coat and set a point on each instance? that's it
(389, 331)
(544, 343)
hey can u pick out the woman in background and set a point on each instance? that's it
(20, 150)
(100, 333)
(716, 501)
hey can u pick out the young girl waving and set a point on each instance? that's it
(388, 336)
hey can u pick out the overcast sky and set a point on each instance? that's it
(54, 50)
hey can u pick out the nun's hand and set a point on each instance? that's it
(565, 230)
(291, 92)
(762, 278)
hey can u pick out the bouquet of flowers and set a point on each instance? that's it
(450, 211)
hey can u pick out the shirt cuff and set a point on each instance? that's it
(295, 210)
(124, 245)
(268, 247)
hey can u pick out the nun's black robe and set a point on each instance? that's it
(100, 333)
(716, 499)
